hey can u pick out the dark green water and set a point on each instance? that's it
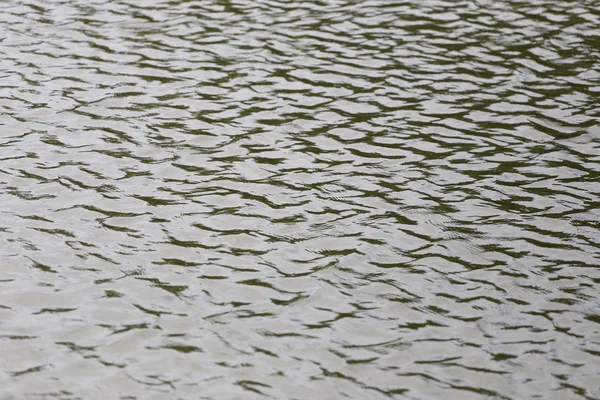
(328, 199)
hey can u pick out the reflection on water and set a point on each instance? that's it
(299, 200)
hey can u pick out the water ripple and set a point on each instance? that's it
(318, 199)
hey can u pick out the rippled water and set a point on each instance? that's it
(299, 200)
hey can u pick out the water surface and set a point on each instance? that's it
(299, 199)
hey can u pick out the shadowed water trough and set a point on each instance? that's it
(299, 199)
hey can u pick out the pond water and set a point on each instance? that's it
(223, 199)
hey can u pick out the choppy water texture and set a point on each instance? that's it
(299, 199)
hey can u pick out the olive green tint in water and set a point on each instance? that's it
(299, 199)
